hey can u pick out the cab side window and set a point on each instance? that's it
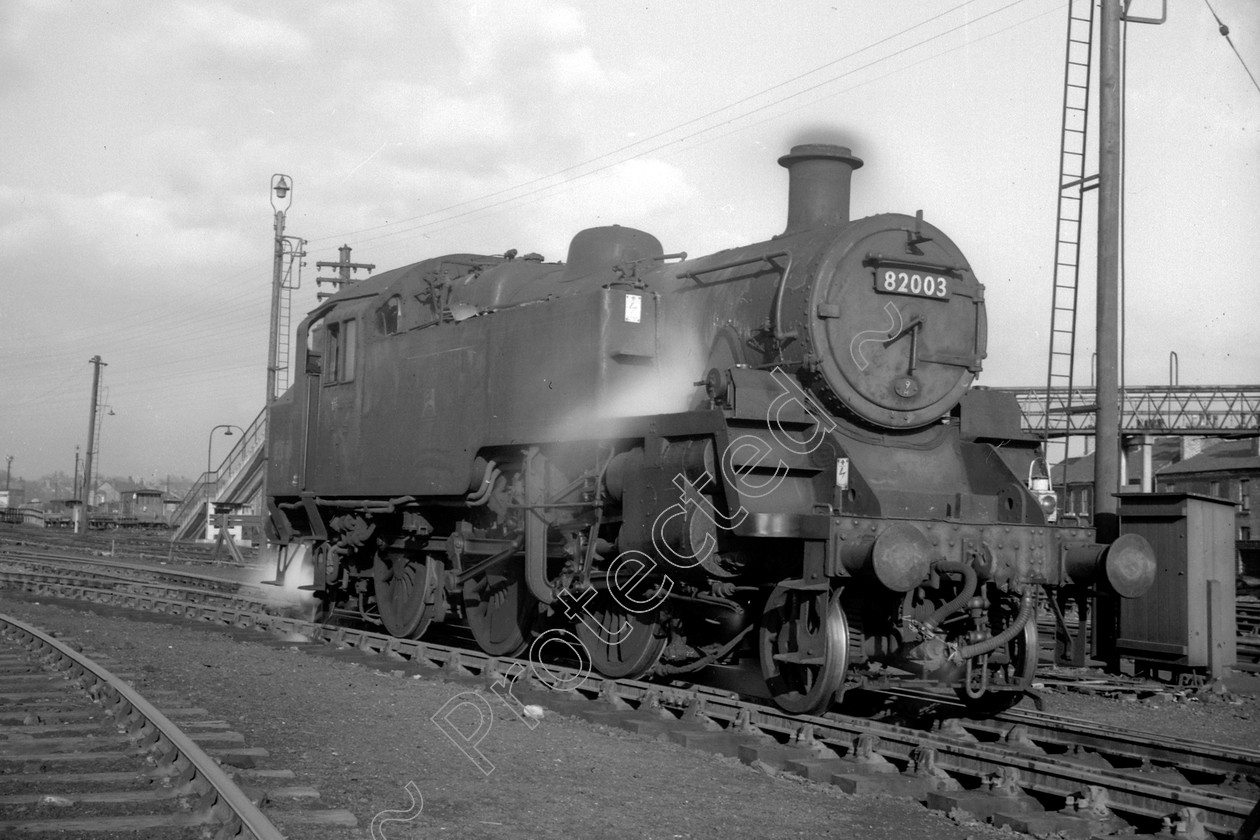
(314, 348)
(389, 315)
(339, 358)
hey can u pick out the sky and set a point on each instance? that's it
(139, 139)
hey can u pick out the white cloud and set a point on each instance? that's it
(645, 186)
(24, 223)
(540, 51)
(227, 32)
(560, 23)
(342, 19)
(576, 69)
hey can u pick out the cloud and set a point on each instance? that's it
(24, 223)
(645, 186)
(217, 31)
(560, 23)
(118, 242)
(529, 54)
(355, 19)
(578, 69)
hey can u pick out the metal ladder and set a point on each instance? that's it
(292, 280)
(1072, 186)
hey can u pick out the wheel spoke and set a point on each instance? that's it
(500, 610)
(407, 594)
(613, 652)
(807, 626)
(804, 648)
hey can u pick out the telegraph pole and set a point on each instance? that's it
(344, 268)
(97, 364)
(1110, 133)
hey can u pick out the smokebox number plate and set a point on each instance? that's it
(902, 281)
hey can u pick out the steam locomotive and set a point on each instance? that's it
(773, 452)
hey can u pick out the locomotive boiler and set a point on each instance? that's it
(775, 452)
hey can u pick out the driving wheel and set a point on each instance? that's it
(408, 594)
(804, 647)
(500, 610)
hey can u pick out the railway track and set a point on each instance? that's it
(165, 583)
(82, 754)
(134, 584)
(1035, 772)
(113, 544)
(1247, 620)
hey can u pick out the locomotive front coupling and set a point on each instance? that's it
(961, 592)
(904, 555)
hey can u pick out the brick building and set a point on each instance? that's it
(1229, 470)
(1074, 478)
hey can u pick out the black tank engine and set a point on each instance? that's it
(771, 452)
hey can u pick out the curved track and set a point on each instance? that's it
(98, 748)
(1035, 772)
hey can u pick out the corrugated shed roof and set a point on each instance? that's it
(1226, 456)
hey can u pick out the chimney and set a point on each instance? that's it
(1191, 445)
(818, 185)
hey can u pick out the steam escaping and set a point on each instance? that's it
(636, 386)
(665, 388)
(288, 597)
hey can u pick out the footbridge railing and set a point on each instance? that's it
(1221, 410)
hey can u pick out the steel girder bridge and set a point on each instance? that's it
(1217, 410)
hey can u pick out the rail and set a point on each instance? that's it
(1044, 757)
(137, 714)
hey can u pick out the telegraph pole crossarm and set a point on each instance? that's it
(344, 269)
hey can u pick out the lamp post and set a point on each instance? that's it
(209, 445)
(281, 199)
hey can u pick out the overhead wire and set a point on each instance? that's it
(441, 225)
(514, 200)
(1224, 30)
(613, 152)
(179, 323)
(832, 94)
(188, 323)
